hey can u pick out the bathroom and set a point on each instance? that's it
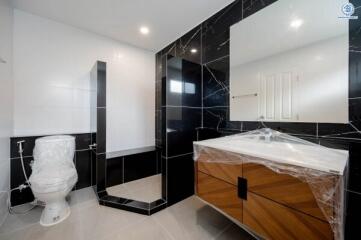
(208, 119)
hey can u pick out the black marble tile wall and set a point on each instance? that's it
(214, 42)
(180, 178)
(82, 162)
(188, 47)
(115, 171)
(140, 165)
(181, 113)
(132, 167)
(100, 173)
(183, 84)
(353, 213)
(181, 129)
(17, 178)
(158, 100)
(253, 6)
(216, 83)
(215, 117)
(101, 130)
(98, 79)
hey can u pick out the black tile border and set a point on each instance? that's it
(132, 165)
(130, 205)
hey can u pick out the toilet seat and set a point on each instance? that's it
(53, 181)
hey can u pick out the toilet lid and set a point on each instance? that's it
(55, 180)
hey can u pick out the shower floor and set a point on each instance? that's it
(147, 189)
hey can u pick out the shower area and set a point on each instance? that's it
(148, 179)
(129, 179)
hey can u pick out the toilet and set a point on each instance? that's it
(53, 176)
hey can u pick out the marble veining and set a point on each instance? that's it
(214, 42)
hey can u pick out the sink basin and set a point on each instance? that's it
(282, 148)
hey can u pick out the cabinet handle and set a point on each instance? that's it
(242, 188)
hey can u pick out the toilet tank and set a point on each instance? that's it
(55, 151)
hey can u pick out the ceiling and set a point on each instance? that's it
(270, 31)
(121, 19)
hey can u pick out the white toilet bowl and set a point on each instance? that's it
(53, 176)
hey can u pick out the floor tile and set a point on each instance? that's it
(234, 232)
(19, 221)
(191, 219)
(147, 189)
(147, 229)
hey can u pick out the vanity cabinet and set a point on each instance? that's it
(221, 194)
(226, 172)
(276, 221)
(284, 189)
(275, 205)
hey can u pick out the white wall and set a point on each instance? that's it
(6, 101)
(52, 64)
(319, 92)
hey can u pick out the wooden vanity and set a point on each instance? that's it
(271, 204)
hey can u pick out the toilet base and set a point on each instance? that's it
(54, 213)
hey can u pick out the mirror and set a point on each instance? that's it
(289, 62)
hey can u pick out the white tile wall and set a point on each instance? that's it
(6, 101)
(52, 64)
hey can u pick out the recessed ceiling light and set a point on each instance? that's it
(296, 23)
(144, 30)
(194, 50)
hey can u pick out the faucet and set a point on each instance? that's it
(20, 146)
(268, 135)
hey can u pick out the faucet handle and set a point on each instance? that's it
(93, 146)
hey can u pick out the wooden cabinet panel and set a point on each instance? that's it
(219, 193)
(275, 221)
(226, 172)
(284, 189)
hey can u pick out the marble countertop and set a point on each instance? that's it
(310, 155)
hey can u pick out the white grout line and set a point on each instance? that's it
(353, 192)
(182, 106)
(216, 107)
(180, 155)
(174, 106)
(354, 127)
(217, 59)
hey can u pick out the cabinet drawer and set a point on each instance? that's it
(283, 188)
(226, 172)
(220, 194)
(275, 221)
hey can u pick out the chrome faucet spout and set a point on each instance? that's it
(268, 135)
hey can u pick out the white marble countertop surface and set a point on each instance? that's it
(310, 155)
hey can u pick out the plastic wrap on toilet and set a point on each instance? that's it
(53, 162)
(326, 186)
